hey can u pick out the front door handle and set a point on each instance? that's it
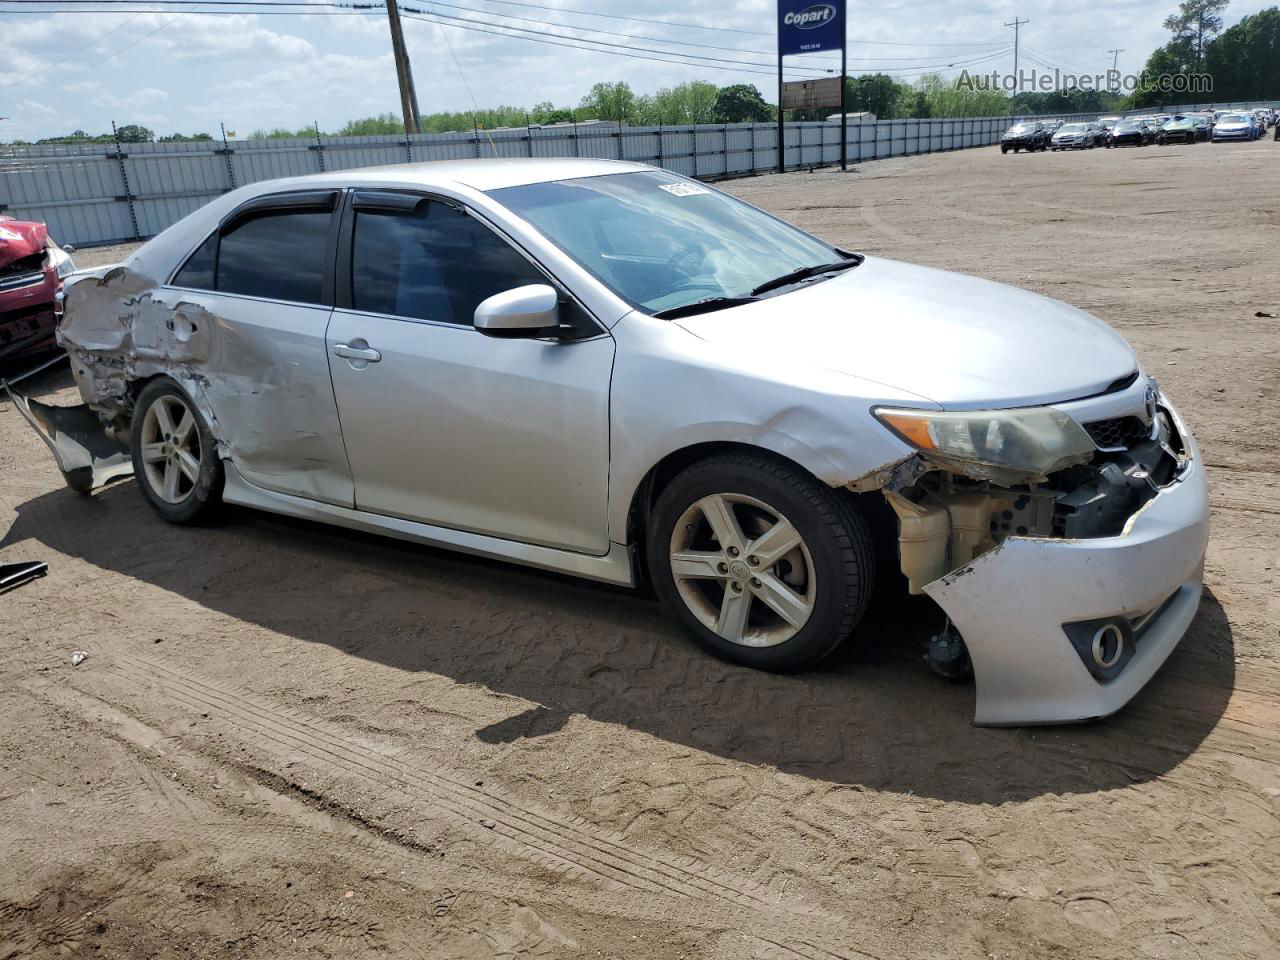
(354, 351)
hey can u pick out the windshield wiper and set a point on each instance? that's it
(804, 273)
(703, 306)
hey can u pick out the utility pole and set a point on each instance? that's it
(1115, 64)
(1017, 25)
(404, 73)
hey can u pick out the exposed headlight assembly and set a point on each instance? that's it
(61, 262)
(1006, 446)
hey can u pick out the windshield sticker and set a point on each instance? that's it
(683, 189)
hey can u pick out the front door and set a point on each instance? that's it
(445, 425)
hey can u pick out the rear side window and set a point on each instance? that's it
(280, 256)
(197, 272)
(432, 263)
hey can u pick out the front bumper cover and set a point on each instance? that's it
(1012, 603)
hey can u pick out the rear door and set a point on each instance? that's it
(264, 283)
(445, 425)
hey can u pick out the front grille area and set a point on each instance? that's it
(1117, 433)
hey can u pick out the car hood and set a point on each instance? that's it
(20, 239)
(957, 340)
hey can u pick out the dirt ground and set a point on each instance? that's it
(293, 741)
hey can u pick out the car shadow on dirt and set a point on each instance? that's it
(872, 715)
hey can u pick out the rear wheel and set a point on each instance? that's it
(762, 564)
(175, 458)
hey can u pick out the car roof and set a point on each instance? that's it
(159, 256)
(486, 173)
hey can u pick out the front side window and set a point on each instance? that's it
(280, 256)
(433, 263)
(662, 242)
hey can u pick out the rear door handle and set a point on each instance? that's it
(352, 352)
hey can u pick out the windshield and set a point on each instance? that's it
(1234, 118)
(660, 241)
(1128, 125)
(1071, 128)
(1019, 128)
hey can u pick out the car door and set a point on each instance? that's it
(263, 283)
(448, 426)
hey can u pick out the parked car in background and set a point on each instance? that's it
(615, 372)
(1107, 123)
(32, 268)
(1181, 129)
(1235, 126)
(1264, 120)
(1029, 135)
(1130, 133)
(1052, 126)
(1075, 136)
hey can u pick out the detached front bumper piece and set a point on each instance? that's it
(86, 455)
(1070, 630)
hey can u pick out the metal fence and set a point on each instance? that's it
(107, 193)
(118, 192)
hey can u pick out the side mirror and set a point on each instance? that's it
(529, 311)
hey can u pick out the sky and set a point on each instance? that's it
(184, 73)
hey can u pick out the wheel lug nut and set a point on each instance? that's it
(733, 551)
(737, 588)
(754, 561)
(722, 567)
(755, 581)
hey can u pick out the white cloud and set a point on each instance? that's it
(60, 72)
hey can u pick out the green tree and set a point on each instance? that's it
(742, 103)
(951, 99)
(132, 133)
(1175, 57)
(693, 102)
(608, 101)
(382, 124)
(547, 112)
(1245, 60)
(1197, 22)
(876, 92)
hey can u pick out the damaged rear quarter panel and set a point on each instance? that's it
(256, 370)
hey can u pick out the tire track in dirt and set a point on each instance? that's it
(607, 870)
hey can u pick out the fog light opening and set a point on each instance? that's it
(1108, 645)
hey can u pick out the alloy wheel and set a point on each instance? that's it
(171, 449)
(743, 570)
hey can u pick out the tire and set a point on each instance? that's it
(824, 580)
(175, 458)
(1003, 148)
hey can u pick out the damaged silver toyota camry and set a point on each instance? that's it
(615, 372)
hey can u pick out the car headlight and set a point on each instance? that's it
(1029, 442)
(61, 262)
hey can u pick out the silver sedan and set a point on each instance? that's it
(615, 372)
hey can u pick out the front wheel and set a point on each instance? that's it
(175, 457)
(760, 563)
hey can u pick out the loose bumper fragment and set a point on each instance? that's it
(86, 455)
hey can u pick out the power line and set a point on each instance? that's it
(697, 26)
(73, 53)
(635, 36)
(578, 46)
(129, 46)
(736, 63)
(615, 49)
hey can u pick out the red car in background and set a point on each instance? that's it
(32, 268)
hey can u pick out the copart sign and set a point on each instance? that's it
(808, 28)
